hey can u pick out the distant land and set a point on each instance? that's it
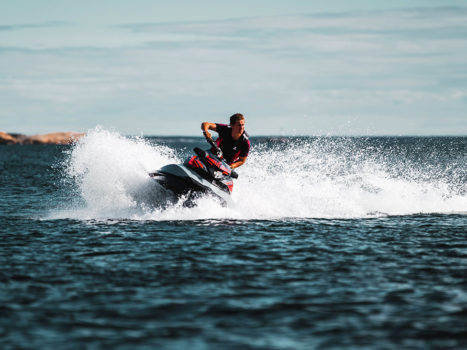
(57, 138)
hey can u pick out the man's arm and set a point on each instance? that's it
(208, 126)
(239, 162)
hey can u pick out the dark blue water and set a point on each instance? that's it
(88, 264)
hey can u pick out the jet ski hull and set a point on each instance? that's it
(183, 181)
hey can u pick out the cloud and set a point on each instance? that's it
(353, 22)
(398, 63)
(368, 36)
(15, 27)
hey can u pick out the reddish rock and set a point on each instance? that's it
(7, 139)
(58, 138)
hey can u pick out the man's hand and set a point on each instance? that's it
(208, 126)
(219, 153)
(239, 162)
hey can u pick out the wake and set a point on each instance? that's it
(107, 176)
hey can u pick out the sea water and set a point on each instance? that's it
(331, 242)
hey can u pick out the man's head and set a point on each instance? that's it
(237, 122)
(236, 117)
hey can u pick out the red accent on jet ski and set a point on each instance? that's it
(219, 165)
(195, 162)
(230, 185)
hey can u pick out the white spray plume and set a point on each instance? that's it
(324, 178)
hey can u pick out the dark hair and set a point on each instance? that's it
(235, 118)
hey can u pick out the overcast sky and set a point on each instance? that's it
(291, 67)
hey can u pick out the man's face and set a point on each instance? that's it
(238, 127)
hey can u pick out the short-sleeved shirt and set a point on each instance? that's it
(232, 149)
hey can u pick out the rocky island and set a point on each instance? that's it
(57, 138)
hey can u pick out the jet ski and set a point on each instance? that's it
(205, 173)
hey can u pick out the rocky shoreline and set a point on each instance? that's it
(56, 138)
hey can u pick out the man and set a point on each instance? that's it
(233, 140)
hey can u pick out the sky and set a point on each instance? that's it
(292, 67)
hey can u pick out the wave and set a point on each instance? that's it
(106, 175)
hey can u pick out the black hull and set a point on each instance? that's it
(178, 186)
(186, 183)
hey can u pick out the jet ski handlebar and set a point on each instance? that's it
(203, 154)
(213, 144)
(233, 173)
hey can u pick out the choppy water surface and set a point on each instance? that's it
(332, 243)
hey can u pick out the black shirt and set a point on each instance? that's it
(232, 149)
